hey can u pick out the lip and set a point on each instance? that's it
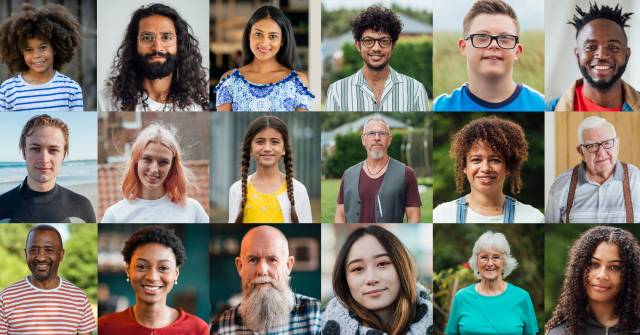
(492, 58)
(44, 170)
(602, 69)
(152, 289)
(376, 58)
(486, 179)
(375, 293)
(600, 288)
(152, 179)
(42, 267)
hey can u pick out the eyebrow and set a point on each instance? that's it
(610, 41)
(146, 260)
(360, 259)
(269, 32)
(611, 261)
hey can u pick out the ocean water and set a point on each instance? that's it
(71, 173)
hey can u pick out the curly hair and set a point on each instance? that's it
(504, 137)
(571, 309)
(154, 234)
(581, 18)
(189, 83)
(51, 23)
(378, 19)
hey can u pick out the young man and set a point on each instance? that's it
(491, 45)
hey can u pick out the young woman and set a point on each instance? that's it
(488, 152)
(153, 256)
(155, 183)
(600, 294)
(268, 195)
(268, 80)
(374, 280)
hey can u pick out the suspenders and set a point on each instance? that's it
(626, 191)
(509, 209)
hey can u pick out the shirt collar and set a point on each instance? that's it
(393, 77)
(618, 174)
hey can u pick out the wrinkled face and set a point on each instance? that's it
(264, 263)
(486, 170)
(372, 278)
(38, 55)
(603, 161)
(44, 253)
(152, 272)
(490, 62)
(44, 153)
(267, 147)
(604, 274)
(154, 166)
(602, 53)
(490, 264)
(265, 39)
(376, 138)
(375, 57)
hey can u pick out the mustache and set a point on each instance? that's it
(259, 281)
(164, 55)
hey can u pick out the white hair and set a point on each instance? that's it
(493, 241)
(593, 122)
(377, 118)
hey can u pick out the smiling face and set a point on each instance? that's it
(604, 274)
(267, 147)
(265, 39)
(601, 163)
(376, 138)
(490, 264)
(44, 253)
(38, 55)
(157, 26)
(486, 170)
(44, 153)
(153, 167)
(375, 57)
(152, 272)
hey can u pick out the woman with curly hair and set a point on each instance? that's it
(36, 44)
(600, 293)
(488, 152)
(268, 81)
(268, 195)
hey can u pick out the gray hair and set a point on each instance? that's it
(377, 118)
(496, 241)
(593, 122)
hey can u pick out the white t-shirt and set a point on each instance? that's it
(162, 210)
(446, 213)
(106, 104)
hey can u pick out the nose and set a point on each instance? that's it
(372, 278)
(153, 167)
(493, 44)
(262, 268)
(485, 166)
(602, 52)
(601, 273)
(152, 275)
(156, 45)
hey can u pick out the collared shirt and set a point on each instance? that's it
(400, 94)
(303, 319)
(593, 203)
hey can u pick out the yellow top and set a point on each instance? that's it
(262, 207)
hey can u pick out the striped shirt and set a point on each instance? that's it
(26, 309)
(60, 94)
(400, 94)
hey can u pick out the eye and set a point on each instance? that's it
(164, 268)
(615, 268)
(141, 267)
(257, 34)
(383, 264)
(356, 269)
(614, 48)
(253, 260)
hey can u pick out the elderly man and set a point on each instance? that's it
(379, 189)
(268, 304)
(44, 303)
(600, 189)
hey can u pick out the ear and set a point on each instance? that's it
(290, 263)
(579, 150)
(628, 53)
(61, 255)
(519, 50)
(358, 45)
(239, 265)
(576, 53)
(177, 272)
(462, 47)
(126, 269)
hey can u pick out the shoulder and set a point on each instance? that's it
(529, 91)
(113, 320)
(227, 74)
(528, 213)
(407, 78)
(236, 187)
(557, 330)
(518, 292)
(9, 195)
(65, 80)
(299, 186)
(550, 105)
(227, 322)
(193, 203)
(561, 182)
(71, 287)
(353, 168)
(192, 319)
(445, 212)
(303, 78)
(344, 81)
(306, 305)
(12, 81)
(18, 286)
(73, 196)
(443, 101)
(466, 292)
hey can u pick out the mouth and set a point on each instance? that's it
(493, 58)
(375, 293)
(42, 266)
(486, 180)
(152, 289)
(376, 57)
(264, 50)
(152, 179)
(600, 288)
(602, 69)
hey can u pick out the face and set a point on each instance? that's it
(602, 53)
(44, 253)
(157, 46)
(376, 138)
(490, 264)
(267, 147)
(154, 166)
(601, 162)
(44, 153)
(152, 272)
(604, 274)
(265, 39)
(264, 261)
(375, 57)
(492, 61)
(486, 170)
(372, 278)
(38, 55)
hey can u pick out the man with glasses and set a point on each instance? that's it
(158, 66)
(491, 45)
(377, 87)
(380, 189)
(600, 189)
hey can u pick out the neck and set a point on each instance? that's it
(600, 178)
(491, 89)
(47, 284)
(38, 77)
(155, 315)
(271, 172)
(610, 98)
(491, 287)
(604, 312)
(264, 66)
(384, 315)
(153, 194)
(41, 187)
(486, 203)
(372, 75)
(158, 89)
(377, 163)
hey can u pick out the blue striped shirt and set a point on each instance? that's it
(60, 94)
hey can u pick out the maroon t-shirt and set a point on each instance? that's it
(369, 187)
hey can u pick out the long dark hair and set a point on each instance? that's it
(287, 54)
(189, 84)
(258, 125)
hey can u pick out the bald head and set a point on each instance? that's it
(262, 237)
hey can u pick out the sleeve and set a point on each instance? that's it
(303, 95)
(412, 195)
(452, 322)
(341, 192)
(530, 321)
(421, 102)
(105, 101)
(87, 323)
(86, 210)
(223, 91)
(108, 216)
(4, 107)
(76, 103)
(555, 206)
(234, 201)
(303, 206)
(3, 319)
(332, 99)
(201, 214)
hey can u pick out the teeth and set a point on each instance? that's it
(602, 67)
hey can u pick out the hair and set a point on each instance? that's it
(593, 122)
(571, 308)
(376, 118)
(177, 181)
(189, 83)
(256, 126)
(51, 23)
(378, 19)
(43, 120)
(504, 137)
(581, 18)
(403, 309)
(154, 234)
(287, 54)
(42, 228)
(492, 7)
(497, 241)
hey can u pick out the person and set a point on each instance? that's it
(600, 189)
(602, 53)
(492, 306)
(153, 256)
(158, 66)
(268, 305)
(44, 143)
(600, 292)
(491, 45)
(43, 302)
(377, 86)
(36, 44)
(379, 189)
(374, 280)
(155, 183)
(268, 80)
(268, 195)
(487, 151)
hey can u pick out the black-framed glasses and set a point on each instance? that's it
(594, 147)
(167, 39)
(369, 42)
(484, 40)
(372, 134)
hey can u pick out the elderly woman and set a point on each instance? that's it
(492, 306)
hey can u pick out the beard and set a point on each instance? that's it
(376, 154)
(602, 85)
(156, 70)
(378, 67)
(266, 306)
(37, 275)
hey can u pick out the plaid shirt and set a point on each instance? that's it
(304, 319)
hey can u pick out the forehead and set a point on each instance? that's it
(267, 25)
(156, 23)
(46, 135)
(366, 247)
(43, 237)
(493, 24)
(157, 150)
(490, 251)
(601, 30)
(268, 133)
(607, 251)
(34, 41)
(481, 148)
(153, 252)
(601, 133)
(262, 245)
(375, 34)
(375, 125)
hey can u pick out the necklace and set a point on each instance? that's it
(145, 104)
(366, 166)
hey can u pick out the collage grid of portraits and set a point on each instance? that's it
(125, 186)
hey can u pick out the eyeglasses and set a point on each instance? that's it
(369, 42)
(493, 258)
(372, 134)
(166, 39)
(594, 147)
(484, 40)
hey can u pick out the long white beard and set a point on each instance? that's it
(266, 307)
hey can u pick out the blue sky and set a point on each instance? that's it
(448, 15)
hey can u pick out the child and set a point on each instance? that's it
(36, 43)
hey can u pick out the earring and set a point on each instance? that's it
(127, 279)
(176, 283)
